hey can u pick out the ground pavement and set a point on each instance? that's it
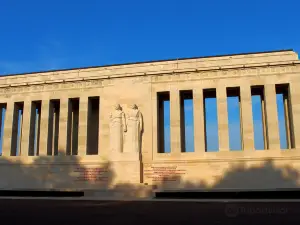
(72, 212)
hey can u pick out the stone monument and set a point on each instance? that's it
(117, 128)
(134, 129)
(82, 143)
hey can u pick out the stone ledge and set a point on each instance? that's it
(291, 154)
(109, 75)
(271, 56)
(137, 191)
(113, 200)
(162, 76)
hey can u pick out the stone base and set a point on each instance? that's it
(126, 173)
(123, 156)
(66, 173)
(121, 193)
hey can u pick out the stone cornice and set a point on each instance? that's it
(229, 72)
(156, 76)
(138, 69)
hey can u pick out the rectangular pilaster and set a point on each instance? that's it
(100, 150)
(222, 119)
(247, 118)
(82, 133)
(295, 108)
(175, 122)
(273, 140)
(287, 117)
(155, 123)
(104, 144)
(27, 130)
(44, 128)
(199, 134)
(63, 126)
(1, 120)
(8, 129)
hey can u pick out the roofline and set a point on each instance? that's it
(141, 62)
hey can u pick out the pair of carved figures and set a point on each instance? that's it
(131, 124)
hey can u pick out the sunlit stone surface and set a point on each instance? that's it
(107, 130)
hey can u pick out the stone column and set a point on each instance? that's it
(222, 119)
(8, 129)
(247, 118)
(264, 122)
(272, 130)
(1, 128)
(1, 121)
(27, 130)
(155, 127)
(83, 121)
(44, 128)
(289, 127)
(199, 134)
(104, 126)
(54, 119)
(100, 117)
(295, 111)
(175, 122)
(63, 125)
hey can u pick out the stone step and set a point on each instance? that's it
(120, 193)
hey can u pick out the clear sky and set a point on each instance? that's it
(44, 35)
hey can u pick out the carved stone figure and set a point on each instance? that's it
(117, 129)
(135, 128)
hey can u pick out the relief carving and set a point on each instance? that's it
(134, 128)
(51, 87)
(140, 79)
(224, 73)
(117, 128)
(154, 78)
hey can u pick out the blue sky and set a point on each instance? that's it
(45, 35)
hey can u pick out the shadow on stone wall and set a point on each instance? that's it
(63, 172)
(265, 176)
(44, 172)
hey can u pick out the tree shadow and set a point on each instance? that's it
(54, 172)
(62, 170)
(67, 173)
(267, 176)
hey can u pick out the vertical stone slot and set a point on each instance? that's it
(17, 126)
(53, 127)
(259, 117)
(284, 112)
(2, 119)
(234, 118)
(72, 127)
(210, 120)
(163, 120)
(34, 129)
(93, 126)
(186, 121)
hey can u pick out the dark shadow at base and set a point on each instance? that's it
(14, 193)
(254, 195)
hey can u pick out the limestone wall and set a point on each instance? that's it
(138, 163)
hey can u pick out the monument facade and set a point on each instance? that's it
(105, 128)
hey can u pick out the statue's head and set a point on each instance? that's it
(133, 106)
(118, 107)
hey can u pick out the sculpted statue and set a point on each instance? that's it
(117, 128)
(135, 128)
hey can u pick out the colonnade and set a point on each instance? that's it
(71, 125)
(269, 115)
